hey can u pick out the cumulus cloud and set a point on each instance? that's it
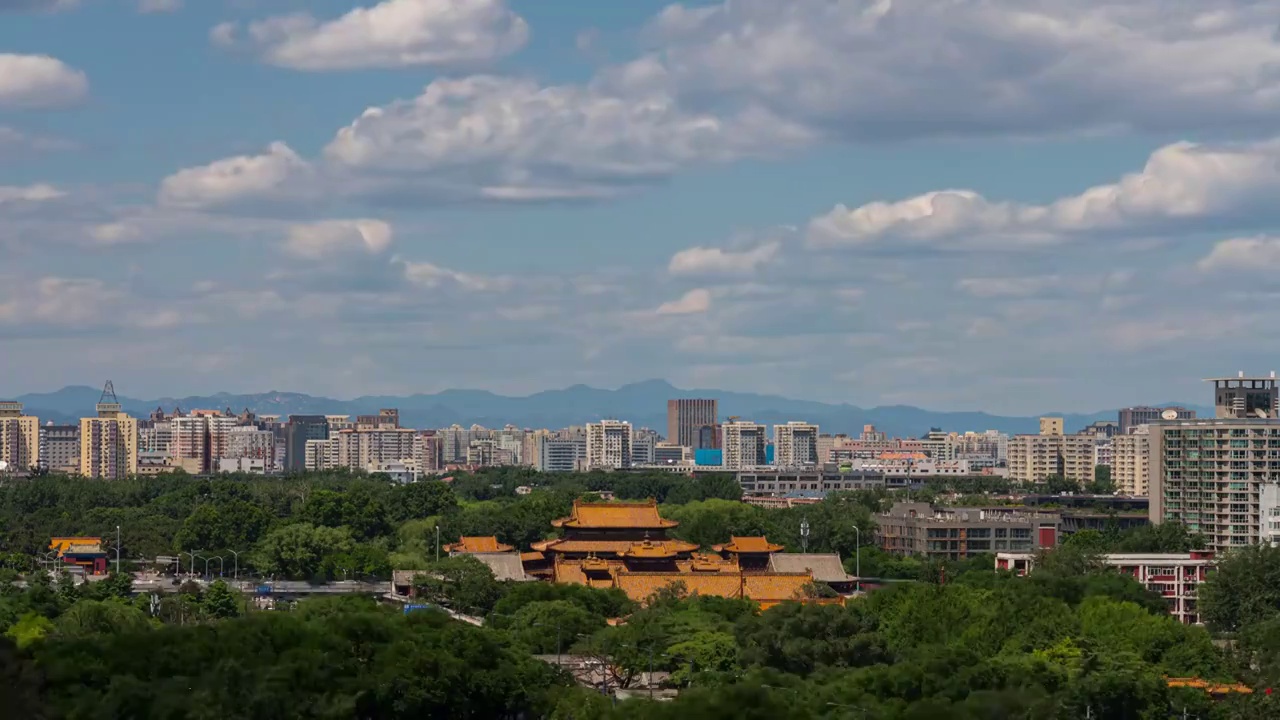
(1259, 254)
(29, 193)
(39, 81)
(711, 261)
(895, 69)
(235, 179)
(694, 302)
(393, 33)
(318, 240)
(997, 287)
(427, 275)
(1182, 185)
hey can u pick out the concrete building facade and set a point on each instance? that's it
(19, 439)
(609, 444)
(795, 444)
(1131, 461)
(1034, 458)
(1132, 417)
(687, 417)
(60, 448)
(744, 445)
(109, 444)
(920, 529)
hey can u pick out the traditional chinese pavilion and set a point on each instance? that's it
(625, 545)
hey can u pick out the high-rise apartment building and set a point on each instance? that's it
(320, 455)
(1218, 476)
(19, 438)
(247, 442)
(426, 450)
(744, 445)
(609, 444)
(60, 448)
(109, 442)
(795, 444)
(561, 454)
(374, 446)
(1131, 461)
(687, 416)
(297, 433)
(1132, 417)
(1035, 458)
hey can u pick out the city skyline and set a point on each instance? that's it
(364, 198)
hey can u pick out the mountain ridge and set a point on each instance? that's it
(643, 403)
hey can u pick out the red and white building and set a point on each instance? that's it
(1174, 576)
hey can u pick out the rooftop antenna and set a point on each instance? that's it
(108, 391)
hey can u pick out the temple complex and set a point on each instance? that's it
(625, 545)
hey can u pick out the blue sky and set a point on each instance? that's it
(1044, 205)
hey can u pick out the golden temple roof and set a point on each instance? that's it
(609, 547)
(481, 544)
(616, 515)
(749, 544)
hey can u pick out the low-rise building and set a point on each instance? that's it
(955, 533)
(1176, 577)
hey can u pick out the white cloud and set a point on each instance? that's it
(12, 139)
(29, 193)
(159, 6)
(1249, 254)
(50, 5)
(323, 239)
(393, 33)
(694, 302)
(891, 69)
(1000, 287)
(1182, 184)
(234, 179)
(115, 233)
(710, 261)
(39, 81)
(426, 275)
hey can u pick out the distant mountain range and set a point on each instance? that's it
(642, 403)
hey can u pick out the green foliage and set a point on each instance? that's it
(462, 583)
(1243, 590)
(299, 550)
(221, 602)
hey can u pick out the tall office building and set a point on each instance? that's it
(109, 442)
(609, 444)
(1132, 417)
(795, 444)
(685, 417)
(19, 439)
(297, 432)
(1219, 476)
(744, 444)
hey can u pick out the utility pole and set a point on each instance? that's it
(437, 543)
(857, 550)
(117, 549)
(650, 671)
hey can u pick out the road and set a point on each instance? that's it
(278, 587)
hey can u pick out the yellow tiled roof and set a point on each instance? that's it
(608, 547)
(775, 586)
(749, 544)
(481, 544)
(639, 586)
(615, 515)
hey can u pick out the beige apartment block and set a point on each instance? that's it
(1034, 458)
(19, 438)
(1051, 426)
(1131, 461)
(795, 444)
(109, 444)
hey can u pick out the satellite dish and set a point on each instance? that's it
(1169, 414)
(1260, 413)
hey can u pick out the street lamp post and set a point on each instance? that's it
(437, 543)
(191, 555)
(222, 566)
(236, 555)
(117, 549)
(857, 550)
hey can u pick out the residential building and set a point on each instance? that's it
(609, 444)
(60, 448)
(19, 439)
(455, 440)
(1034, 458)
(1131, 460)
(644, 443)
(1217, 476)
(109, 443)
(1104, 452)
(338, 423)
(246, 442)
(386, 419)
(939, 445)
(744, 445)
(300, 430)
(320, 455)
(557, 454)
(666, 453)
(1176, 577)
(155, 435)
(955, 533)
(686, 419)
(250, 465)
(198, 440)
(372, 445)
(1102, 429)
(426, 451)
(795, 444)
(1132, 417)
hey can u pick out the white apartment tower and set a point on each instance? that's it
(743, 444)
(795, 444)
(609, 444)
(1219, 476)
